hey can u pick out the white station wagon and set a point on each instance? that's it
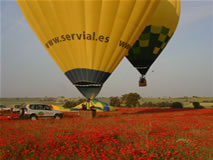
(39, 111)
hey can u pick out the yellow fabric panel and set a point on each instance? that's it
(144, 43)
(87, 34)
(170, 33)
(163, 45)
(110, 9)
(91, 10)
(156, 50)
(166, 15)
(120, 19)
(156, 29)
(162, 37)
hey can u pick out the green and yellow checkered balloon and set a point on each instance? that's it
(155, 36)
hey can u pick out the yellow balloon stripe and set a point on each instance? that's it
(106, 25)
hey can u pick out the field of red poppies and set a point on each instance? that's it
(124, 134)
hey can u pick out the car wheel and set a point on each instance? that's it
(33, 117)
(57, 116)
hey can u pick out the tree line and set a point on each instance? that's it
(133, 100)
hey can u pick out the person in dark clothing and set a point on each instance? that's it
(84, 107)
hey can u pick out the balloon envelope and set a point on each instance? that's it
(88, 39)
(155, 36)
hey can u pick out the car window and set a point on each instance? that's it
(41, 107)
(37, 107)
(47, 107)
(32, 106)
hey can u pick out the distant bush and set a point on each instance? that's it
(81, 100)
(70, 104)
(195, 97)
(164, 104)
(176, 105)
(115, 101)
(148, 104)
(159, 104)
(206, 101)
(197, 105)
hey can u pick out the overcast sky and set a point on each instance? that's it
(185, 67)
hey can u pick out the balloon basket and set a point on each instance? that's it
(87, 113)
(142, 82)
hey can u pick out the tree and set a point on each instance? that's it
(164, 104)
(69, 104)
(177, 105)
(197, 105)
(115, 101)
(131, 99)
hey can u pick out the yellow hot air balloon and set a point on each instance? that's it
(155, 37)
(87, 38)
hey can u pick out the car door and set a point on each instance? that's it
(48, 111)
(40, 110)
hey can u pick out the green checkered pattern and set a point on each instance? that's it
(153, 37)
(149, 46)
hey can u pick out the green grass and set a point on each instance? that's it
(207, 102)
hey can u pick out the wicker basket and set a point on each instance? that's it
(87, 113)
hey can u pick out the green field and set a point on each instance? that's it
(206, 102)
